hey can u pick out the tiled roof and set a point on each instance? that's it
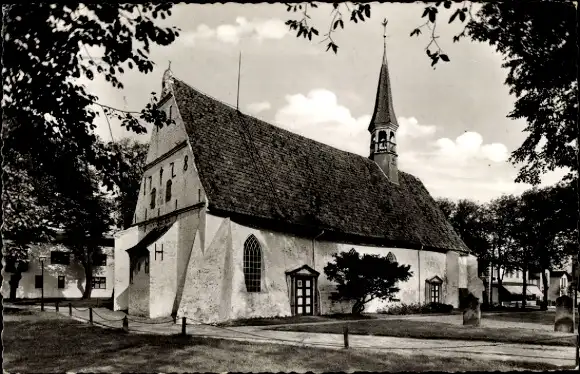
(251, 168)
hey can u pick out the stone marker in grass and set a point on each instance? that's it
(563, 321)
(471, 311)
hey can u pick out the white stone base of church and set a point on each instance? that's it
(199, 273)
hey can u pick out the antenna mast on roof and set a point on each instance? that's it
(239, 73)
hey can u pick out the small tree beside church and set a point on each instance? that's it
(365, 278)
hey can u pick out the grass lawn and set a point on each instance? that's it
(538, 317)
(436, 330)
(47, 342)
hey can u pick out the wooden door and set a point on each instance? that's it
(304, 302)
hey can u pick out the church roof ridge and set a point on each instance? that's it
(250, 167)
(274, 124)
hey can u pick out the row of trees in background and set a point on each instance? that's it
(37, 206)
(58, 175)
(534, 232)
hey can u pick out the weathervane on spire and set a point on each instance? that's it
(385, 41)
(385, 28)
(167, 80)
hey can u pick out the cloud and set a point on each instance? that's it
(470, 145)
(409, 127)
(227, 33)
(318, 116)
(466, 167)
(259, 107)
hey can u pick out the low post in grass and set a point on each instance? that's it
(345, 332)
(70, 309)
(563, 321)
(183, 326)
(56, 306)
(125, 324)
(91, 315)
(471, 311)
(577, 350)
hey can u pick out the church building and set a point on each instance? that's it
(237, 218)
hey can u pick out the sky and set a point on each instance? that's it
(454, 133)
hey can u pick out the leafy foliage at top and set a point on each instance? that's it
(539, 46)
(54, 165)
(45, 52)
(365, 278)
(538, 43)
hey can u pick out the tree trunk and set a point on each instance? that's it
(358, 307)
(14, 282)
(545, 290)
(88, 280)
(525, 287)
(490, 282)
(499, 284)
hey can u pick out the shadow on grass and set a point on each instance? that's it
(436, 330)
(53, 343)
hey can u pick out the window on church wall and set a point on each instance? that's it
(391, 257)
(435, 293)
(160, 176)
(168, 190)
(185, 160)
(152, 203)
(172, 169)
(150, 182)
(433, 290)
(252, 264)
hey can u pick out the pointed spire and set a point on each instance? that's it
(384, 113)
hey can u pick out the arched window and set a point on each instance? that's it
(160, 176)
(382, 140)
(252, 264)
(391, 257)
(153, 193)
(392, 145)
(168, 190)
(185, 159)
